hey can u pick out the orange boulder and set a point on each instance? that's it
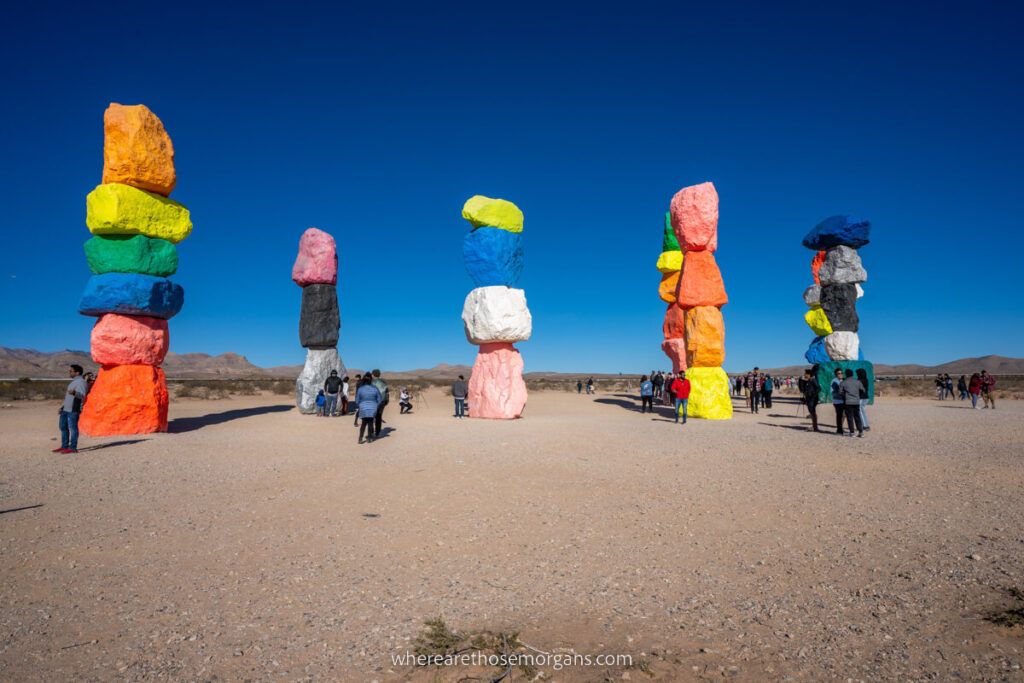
(674, 326)
(675, 349)
(701, 282)
(705, 337)
(668, 286)
(819, 258)
(136, 149)
(126, 399)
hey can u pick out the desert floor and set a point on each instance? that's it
(257, 543)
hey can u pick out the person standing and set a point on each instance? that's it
(459, 392)
(368, 399)
(851, 389)
(646, 395)
(70, 410)
(809, 389)
(359, 383)
(681, 391)
(332, 388)
(756, 383)
(988, 396)
(590, 385)
(974, 389)
(344, 395)
(837, 399)
(862, 377)
(766, 392)
(739, 386)
(961, 387)
(657, 380)
(382, 387)
(579, 386)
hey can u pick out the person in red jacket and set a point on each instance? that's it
(681, 390)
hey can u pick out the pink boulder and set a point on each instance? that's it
(496, 387)
(675, 349)
(694, 213)
(129, 340)
(317, 262)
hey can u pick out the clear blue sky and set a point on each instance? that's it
(375, 121)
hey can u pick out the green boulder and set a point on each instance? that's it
(131, 254)
(669, 241)
(826, 372)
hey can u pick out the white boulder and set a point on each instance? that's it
(812, 295)
(842, 345)
(496, 314)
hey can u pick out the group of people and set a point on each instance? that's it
(759, 387)
(371, 398)
(850, 393)
(672, 388)
(980, 385)
(590, 385)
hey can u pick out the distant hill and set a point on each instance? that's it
(16, 363)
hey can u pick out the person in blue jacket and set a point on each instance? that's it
(646, 395)
(368, 399)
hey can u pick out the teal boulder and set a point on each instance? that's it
(131, 254)
(826, 372)
(669, 241)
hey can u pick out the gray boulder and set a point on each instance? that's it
(812, 295)
(319, 363)
(842, 265)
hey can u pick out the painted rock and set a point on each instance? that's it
(496, 314)
(818, 321)
(860, 290)
(826, 371)
(709, 394)
(705, 337)
(136, 149)
(496, 387)
(816, 352)
(668, 240)
(674, 326)
(493, 257)
(675, 349)
(118, 209)
(131, 254)
(317, 262)
(484, 212)
(694, 213)
(840, 305)
(319, 321)
(670, 262)
(812, 295)
(842, 346)
(131, 294)
(319, 363)
(842, 265)
(816, 262)
(839, 231)
(126, 399)
(667, 288)
(129, 340)
(701, 281)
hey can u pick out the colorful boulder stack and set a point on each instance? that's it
(670, 263)
(135, 229)
(832, 299)
(316, 271)
(693, 322)
(495, 315)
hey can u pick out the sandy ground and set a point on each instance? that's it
(256, 543)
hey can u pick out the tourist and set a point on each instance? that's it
(404, 402)
(961, 387)
(321, 402)
(590, 385)
(658, 380)
(940, 387)
(359, 383)
(862, 376)
(646, 395)
(974, 389)
(949, 387)
(835, 386)
(851, 389)
(809, 389)
(70, 410)
(766, 391)
(344, 395)
(368, 400)
(382, 387)
(579, 386)
(90, 379)
(459, 393)
(332, 387)
(739, 385)
(681, 392)
(756, 384)
(988, 383)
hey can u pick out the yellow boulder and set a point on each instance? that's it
(484, 212)
(709, 394)
(116, 209)
(670, 261)
(818, 321)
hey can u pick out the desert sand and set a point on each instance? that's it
(256, 543)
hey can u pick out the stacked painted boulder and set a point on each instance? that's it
(832, 299)
(495, 315)
(316, 271)
(135, 229)
(670, 263)
(694, 321)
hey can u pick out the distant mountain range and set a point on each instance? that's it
(17, 363)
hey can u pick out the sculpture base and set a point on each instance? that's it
(496, 387)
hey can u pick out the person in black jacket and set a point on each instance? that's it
(809, 389)
(332, 388)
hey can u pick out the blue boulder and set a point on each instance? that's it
(131, 294)
(816, 352)
(493, 257)
(839, 231)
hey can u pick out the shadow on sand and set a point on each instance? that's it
(190, 424)
(99, 446)
(23, 507)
